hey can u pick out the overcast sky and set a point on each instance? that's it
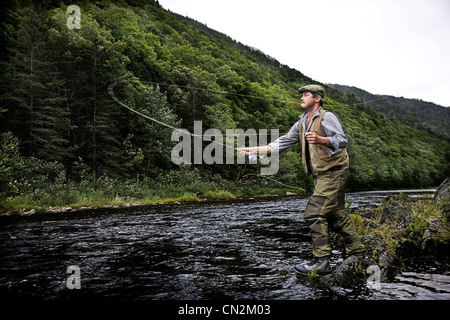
(394, 47)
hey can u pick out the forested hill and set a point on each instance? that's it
(416, 113)
(60, 127)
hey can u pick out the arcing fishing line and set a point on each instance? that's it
(113, 96)
(111, 93)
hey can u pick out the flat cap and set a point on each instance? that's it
(314, 88)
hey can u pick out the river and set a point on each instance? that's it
(195, 251)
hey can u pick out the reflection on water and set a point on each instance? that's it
(412, 285)
(225, 250)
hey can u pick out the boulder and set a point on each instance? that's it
(345, 275)
(436, 238)
(443, 191)
(442, 197)
(396, 211)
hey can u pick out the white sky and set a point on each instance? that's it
(394, 47)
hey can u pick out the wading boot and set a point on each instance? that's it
(319, 265)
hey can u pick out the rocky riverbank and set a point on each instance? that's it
(402, 231)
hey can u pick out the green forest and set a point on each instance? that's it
(65, 141)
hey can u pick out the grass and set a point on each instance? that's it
(313, 275)
(17, 204)
(113, 193)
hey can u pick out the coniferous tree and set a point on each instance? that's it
(35, 104)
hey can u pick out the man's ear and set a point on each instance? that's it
(317, 99)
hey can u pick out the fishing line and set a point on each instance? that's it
(113, 96)
(111, 93)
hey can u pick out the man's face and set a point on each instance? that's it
(307, 100)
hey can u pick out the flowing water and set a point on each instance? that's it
(221, 250)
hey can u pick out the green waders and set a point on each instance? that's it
(326, 209)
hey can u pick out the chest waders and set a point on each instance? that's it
(326, 207)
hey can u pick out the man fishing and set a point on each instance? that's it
(324, 156)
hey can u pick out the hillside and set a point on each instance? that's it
(416, 113)
(62, 133)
